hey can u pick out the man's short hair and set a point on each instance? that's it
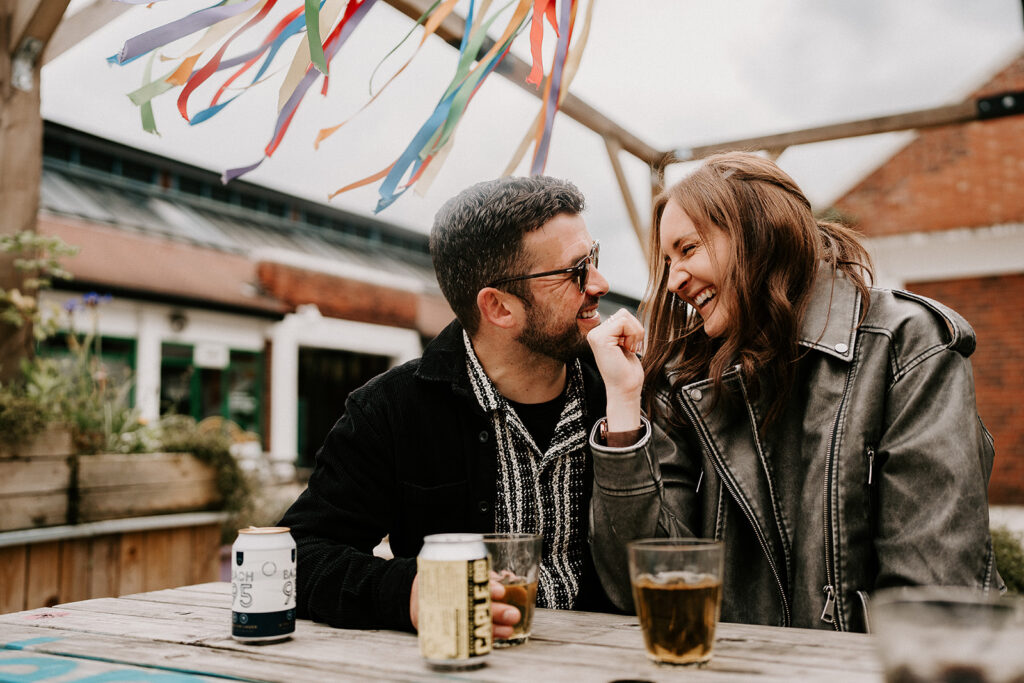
(477, 236)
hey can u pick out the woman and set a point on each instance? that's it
(825, 430)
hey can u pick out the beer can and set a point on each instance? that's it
(454, 601)
(263, 584)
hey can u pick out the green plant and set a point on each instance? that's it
(24, 409)
(76, 388)
(210, 442)
(1009, 551)
(20, 416)
(37, 257)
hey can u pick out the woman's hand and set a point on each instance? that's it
(616, 344)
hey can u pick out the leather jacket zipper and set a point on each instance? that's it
(828, 614)
(727, 482)
(871, 464)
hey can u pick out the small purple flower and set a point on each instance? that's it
(71, 305)
(92, 299)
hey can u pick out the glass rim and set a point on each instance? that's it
(452, 538)
(962, 595)
(678, 543)
(501, 536)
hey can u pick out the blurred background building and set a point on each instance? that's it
(945, 218)
(236, 300)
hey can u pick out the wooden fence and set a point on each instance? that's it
(46, 566)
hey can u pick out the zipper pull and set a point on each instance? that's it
(828, 615)
(871, 464)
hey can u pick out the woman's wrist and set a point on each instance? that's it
(619, 439)
(623, 421)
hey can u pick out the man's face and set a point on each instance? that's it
(558, 315)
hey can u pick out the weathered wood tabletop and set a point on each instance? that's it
(182, 634)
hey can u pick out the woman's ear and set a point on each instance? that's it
(498, 308)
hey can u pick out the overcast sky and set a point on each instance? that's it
(676, 73)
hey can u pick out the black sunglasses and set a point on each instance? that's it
(580, 271)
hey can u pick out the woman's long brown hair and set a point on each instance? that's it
(777, 248)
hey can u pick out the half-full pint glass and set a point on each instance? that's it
(515, 563)
(677, 591)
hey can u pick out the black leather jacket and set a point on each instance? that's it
(875, 475)
(413, 454)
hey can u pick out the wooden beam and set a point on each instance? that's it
(613, 148)
(925, 118)
(80, 25)
(25, 28)
(516, 70)
(36, 19)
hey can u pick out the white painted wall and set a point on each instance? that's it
(151, 325)
(947, 254)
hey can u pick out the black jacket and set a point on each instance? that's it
(413, 454)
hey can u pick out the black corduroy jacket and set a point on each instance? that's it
(413, 454)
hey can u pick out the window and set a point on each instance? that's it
(92, 158)
(136, 171)
(57, 149)
(234, 392)
(190, 185)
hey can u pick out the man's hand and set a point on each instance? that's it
(503, 616)
(616, 343)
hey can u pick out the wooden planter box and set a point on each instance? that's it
(43, 484)
(112, 486)
(35, 478)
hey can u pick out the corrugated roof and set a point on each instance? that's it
(148, 210)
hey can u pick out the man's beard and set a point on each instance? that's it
(543, 336)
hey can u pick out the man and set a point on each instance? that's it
(486, 432)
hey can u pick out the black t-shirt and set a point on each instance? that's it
(540, 419)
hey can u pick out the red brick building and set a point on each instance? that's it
(945, 218)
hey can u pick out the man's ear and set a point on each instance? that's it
(498, 308)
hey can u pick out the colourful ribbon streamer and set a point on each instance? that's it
(540, 155)
(146, 110)
(168, 33)
(430, 28)
(571, 66)
(435, 132)
(354, 13)
(316, 50)
(425, 153)
(540, 9)
(200, 76)
(286, 28)
(416, 151)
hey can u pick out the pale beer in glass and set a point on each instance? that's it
(677, 591)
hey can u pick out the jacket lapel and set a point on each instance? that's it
(830, 321)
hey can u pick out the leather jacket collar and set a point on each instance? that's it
(830, 320)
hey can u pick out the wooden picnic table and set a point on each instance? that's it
(182, 635)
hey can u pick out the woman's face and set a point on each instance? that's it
(696, 266)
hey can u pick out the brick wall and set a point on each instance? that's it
(994, 306)
(339, 297)
(966, 175)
